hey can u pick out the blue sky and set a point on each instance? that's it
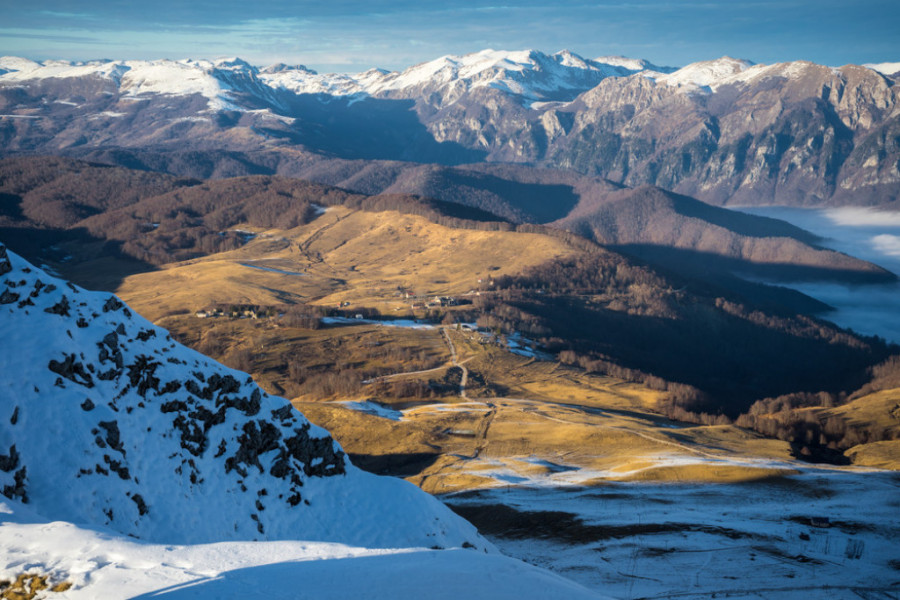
(352, 35)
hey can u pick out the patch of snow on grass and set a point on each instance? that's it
(404, 323)
(373, 408)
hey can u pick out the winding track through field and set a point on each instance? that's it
(454, 359)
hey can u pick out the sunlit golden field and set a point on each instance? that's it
(521, 420)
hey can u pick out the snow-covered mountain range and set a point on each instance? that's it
(725, 130)
(530, 74)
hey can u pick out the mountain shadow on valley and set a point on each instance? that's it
(373, 128)
(92, 262)
(517, 201)
(757, 226)
(612, 317)
(710, 265)
(395, 465)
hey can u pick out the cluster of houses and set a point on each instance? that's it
(434, 302)
(233, 312)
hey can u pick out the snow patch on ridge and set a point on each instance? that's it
(135, 78)
(885, 68)
(706, 73)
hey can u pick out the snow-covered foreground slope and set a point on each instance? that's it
(101, 564)
(110, 429)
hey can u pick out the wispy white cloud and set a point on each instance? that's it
(68, 15)
(863, 217)
(887, 244)
(50, 37)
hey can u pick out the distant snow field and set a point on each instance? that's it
(824, 533)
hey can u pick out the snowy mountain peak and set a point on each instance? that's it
(234, 64)
(885, 68)
(468, 66)
(282, 67)
(634, 65)
(16, 63)
(528, 74)
(110, 422)
(20, 69)
(705, 73)
(178, 78)
(567, 58)
(212, 79)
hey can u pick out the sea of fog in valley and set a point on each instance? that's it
(866, 233)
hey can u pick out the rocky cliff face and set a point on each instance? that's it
(104, 419)
(796, 133)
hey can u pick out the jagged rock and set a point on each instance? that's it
(10, 461)
(141, 374)
(72, 370)
(112, 304)
(193, 437)
(5, 266)
(208, 417)
(108, 375)
(109, 350)
(173, 406)
(145, 334)
(170, 388)
(318, 456)
(61, 308)
(112, 435)
(142, 507)
(117, 467)
(17, 489)
(259, 437)
(284, 413)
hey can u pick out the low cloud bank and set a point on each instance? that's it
(866, 233)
